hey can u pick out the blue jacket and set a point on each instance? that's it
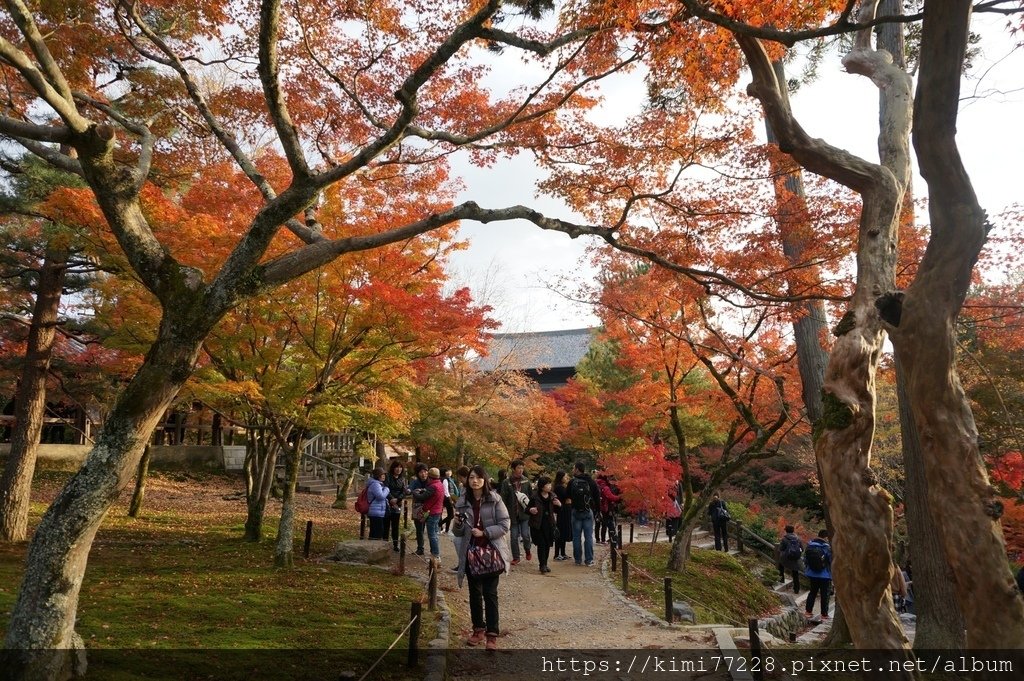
(377, 494)
(820, 574)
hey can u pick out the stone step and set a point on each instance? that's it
(318, 487)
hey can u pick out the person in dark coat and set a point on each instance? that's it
(396, 484)
(561, 492)
(584, 499)
(609, 498)
(542, 509)
(719, 523)
(420, 490)
(790, 549)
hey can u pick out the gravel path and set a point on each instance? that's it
(568, 609)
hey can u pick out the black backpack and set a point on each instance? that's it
(791, 549)
(814, 556)
(579, 494)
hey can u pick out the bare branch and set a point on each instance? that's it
(406, 95)
(270, 16)
(16, 129)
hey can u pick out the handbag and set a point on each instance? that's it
(484, 561)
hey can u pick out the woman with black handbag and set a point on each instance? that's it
(481, 542)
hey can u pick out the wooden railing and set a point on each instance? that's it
(759, 544)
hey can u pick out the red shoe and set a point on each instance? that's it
(476, 639)
(529, 556)
(492, 642)
(515, 561)
(824, 618)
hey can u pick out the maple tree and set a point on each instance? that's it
(466, 416)
(719, 397)
(141, 94)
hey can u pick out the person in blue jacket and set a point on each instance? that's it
(818, 569)
(377, 494)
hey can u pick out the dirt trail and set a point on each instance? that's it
(571, 608)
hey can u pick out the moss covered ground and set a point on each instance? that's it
(178, 594)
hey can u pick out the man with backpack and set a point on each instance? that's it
(584, 499)
(818, 569)
(791, 551)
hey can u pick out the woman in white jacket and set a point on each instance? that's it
(481, 518)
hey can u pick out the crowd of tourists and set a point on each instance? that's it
(495, 524)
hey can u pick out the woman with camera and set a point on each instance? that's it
(481, 543)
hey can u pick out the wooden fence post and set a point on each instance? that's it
(669, 612)
(401, 554)
(309, 538)
(615, 557)
(362, 526)
(620, 537)
(755, 651)
(625, 573)
(631, 533)
(414, 633)
(405, 514)
(432, 585)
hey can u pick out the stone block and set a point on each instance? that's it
(371, 552)
(683, 612)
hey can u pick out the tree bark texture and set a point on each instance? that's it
(860, 509)
(810, 323)
(940, 624)
(285, 548)
(922, 327)
(30, 402)
(44, 613)
(140, 484)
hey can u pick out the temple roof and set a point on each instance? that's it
(537, 350)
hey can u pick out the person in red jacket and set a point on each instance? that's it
(432, 508)
(608, 500)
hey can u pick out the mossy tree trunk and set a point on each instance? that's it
(41, 635)
(30, 402)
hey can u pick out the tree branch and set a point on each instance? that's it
(268, 69)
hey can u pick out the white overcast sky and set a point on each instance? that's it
(510, 265)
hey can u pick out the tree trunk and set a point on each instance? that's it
(679, 554)
(140, 483)
(940, 624)
(346, 484)
(285, 549)
(261, 470)
(30, 403)
(860, 510)
(922, 326)
(44, 614)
